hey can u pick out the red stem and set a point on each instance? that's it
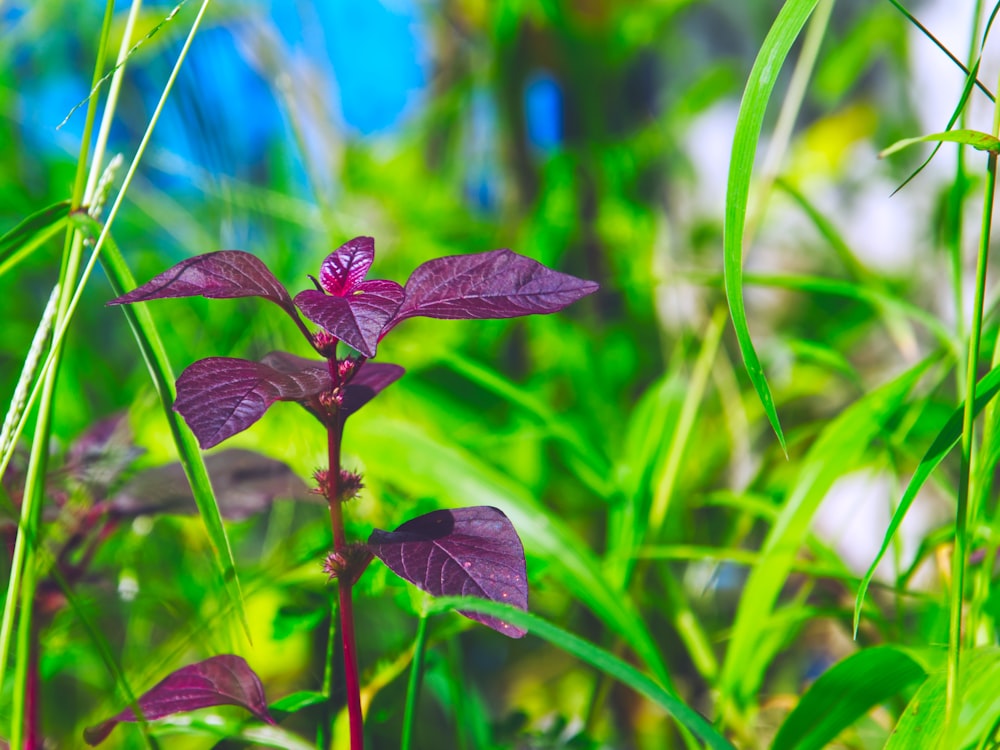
(344, 586)
(32, 737)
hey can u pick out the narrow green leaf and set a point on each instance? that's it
(151, 346)
(843, 694)
(844, 444)
(749, 122)
(295, 702)
(923, 722)
(22, 240)
(595, 657)
(424, 466)
(946, 439)
(975, 138)
(970, 81)
(864, 293)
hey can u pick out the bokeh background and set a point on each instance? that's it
(593, 136)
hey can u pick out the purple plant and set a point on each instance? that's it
(88, 500)
(468, 551)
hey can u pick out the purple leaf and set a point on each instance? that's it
(368, 381)
(461, 552)
(357, 319)
(224, 274)
(497, 284)
(221, 396)
(344, 270)
(245, 483)
(224, 680)
(100, 455)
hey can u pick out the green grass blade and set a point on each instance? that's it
(749, 122)
(843, 694)
(22, 240)
(971, 74)
(865, 293)
(424, 466)
(155, 356)
(595, 657)
(970, 82)
(414, 682)
(975, 138)
(923, 723)
(27, 563)
(591, 464)
(842, 445)
(945, 441)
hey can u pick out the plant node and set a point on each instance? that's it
(325, 343)
(350, 485)
(348, 564)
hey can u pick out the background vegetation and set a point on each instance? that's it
(663, 521)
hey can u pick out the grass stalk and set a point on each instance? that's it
(25, 567)
(413, 684)
(960, 551)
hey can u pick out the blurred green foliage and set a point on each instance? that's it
(593, 136)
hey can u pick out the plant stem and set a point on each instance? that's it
(351, 680)
(33, 736)
(413, 686)
(959, 554)
(344, 585)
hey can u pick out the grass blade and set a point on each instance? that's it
(749, 122)
(842, 445)
(595, 657)
(975, 138)
(946, 439)
(22, 240)
(843, 694)
(924, 724)
(424, 466)
(155, 356)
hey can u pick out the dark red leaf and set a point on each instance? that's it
(100, 455)
(292, 364)
(221, 396)
(357, 319)
(345, 269)
(224, 680)
(497, 284)
(367, 382)
(461, 552)
(245, 483)
(221, 275)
